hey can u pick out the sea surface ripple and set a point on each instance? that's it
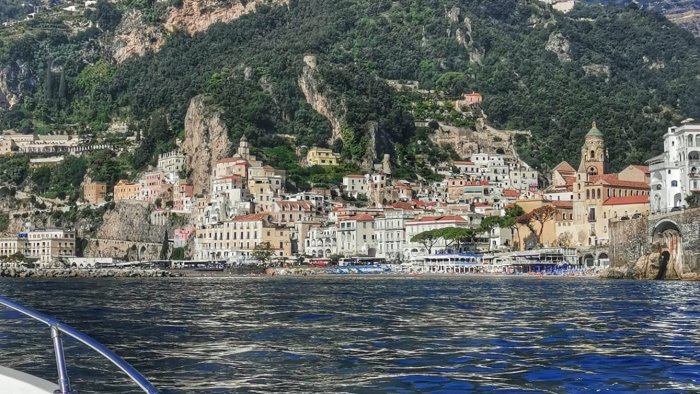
(366, 335)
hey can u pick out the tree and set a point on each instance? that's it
(540, 216)
(263, 252)
(428, 239)
(165, 247)
(453, 235)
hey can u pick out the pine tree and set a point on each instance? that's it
(49, 81)
(62, 88)
(165, 247)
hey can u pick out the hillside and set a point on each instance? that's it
(631, 70)
(685, 13)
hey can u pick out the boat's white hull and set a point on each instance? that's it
(13, 381)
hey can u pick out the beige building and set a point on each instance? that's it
(44, 245)
(125, 190)
(237, 238)
(94, 192)
(321, 157)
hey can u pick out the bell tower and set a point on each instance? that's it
(244, 148)
(594, 156)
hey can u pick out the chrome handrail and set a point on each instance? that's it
(58, 329)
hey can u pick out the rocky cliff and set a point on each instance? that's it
(126, 232)
(197, 15)
(16, 79)
(206, 142)
(135, 37)
(309, 83)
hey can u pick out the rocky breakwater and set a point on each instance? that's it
(84, 273)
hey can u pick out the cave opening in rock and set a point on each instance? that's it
(663, 265)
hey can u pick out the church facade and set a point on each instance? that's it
(598, 196)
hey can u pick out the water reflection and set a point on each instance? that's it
(368, 334)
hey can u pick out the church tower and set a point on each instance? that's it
(594, 156)
(243, 148)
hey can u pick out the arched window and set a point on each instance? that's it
(588, 194)
(690, 140)
(694, 156)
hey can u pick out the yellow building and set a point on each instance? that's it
(94, 192)
(321, 157)
(125, 190)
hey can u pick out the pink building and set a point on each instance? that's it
(469, 100)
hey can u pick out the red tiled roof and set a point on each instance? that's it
(403, 205)
(235, 160)
(362, 218)
(511, 193)
(481, 205)
(563, 204)
(449, 218)
(564, 167)
(613, 180)
(354, 176)
(627, 200)
(255, 217)
(570, 180)
(644, 169)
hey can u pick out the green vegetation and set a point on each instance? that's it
(14, 170)
(250, 69)
(303, 178)
(4, 222)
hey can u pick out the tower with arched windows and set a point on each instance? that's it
(594, 155)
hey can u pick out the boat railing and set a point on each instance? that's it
(58, 330)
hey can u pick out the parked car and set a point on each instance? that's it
(636, 216)
(675, 209)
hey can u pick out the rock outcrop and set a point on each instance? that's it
(560, 46)
(331, 109)
(597, 70)
(206, 142)
(198, 15)
(463, 34)
(135, 37)
(16, 79)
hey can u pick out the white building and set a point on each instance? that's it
(321, 242)
(390, 231)
(355, 185)
(675, 174)
(355, 236)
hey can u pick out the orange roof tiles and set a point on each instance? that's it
(563, 204)
(511, 193)
(255, 217)
(629, 200)
(613, 180)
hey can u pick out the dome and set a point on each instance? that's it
(594, 132)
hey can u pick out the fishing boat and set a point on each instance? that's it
(13, 381)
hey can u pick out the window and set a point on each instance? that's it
(674, 183)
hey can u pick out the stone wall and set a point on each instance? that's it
(629, 240)
(663, 246)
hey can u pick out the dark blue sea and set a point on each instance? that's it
(367, 335)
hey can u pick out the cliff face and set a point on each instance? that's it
(134, 37)
(206, 142)
(130, 221)
(126, 232)
(197, 15)
(16, 79)
(309, 83)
